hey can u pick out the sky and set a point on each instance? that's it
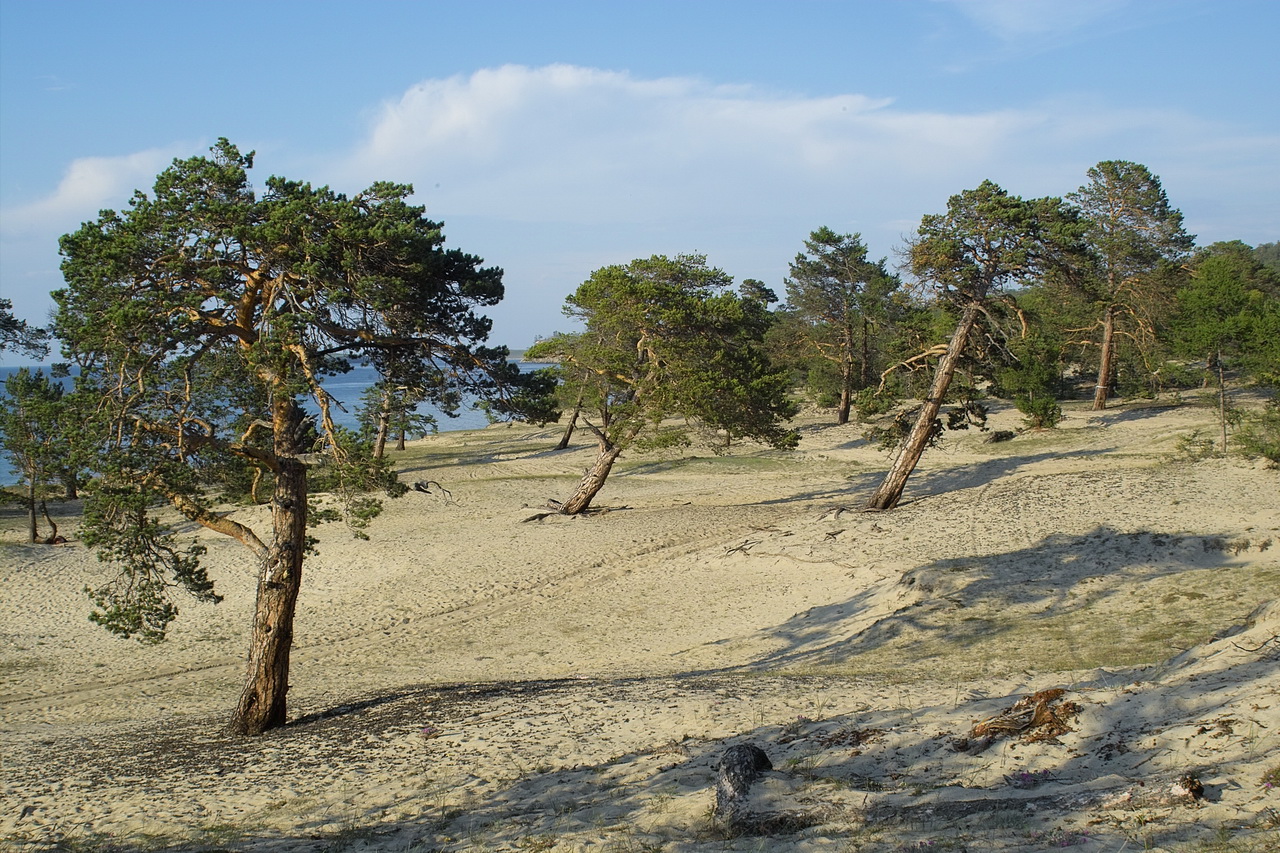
(553, 137)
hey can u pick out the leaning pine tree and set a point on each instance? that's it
(667, 349)
(987, 241)
(204, 316)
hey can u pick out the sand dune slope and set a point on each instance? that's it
(481, 676)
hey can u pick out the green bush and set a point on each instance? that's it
(1259, 435)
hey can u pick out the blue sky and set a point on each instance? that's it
(553, 138)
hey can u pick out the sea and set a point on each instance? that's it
(346, 390)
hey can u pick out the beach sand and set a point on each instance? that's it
(479, 676)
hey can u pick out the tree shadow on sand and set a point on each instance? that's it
(972, 602)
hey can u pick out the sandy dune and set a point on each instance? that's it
(472, 679)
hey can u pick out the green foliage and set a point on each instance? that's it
(1229, 309)
(666, 339)
(1269, 255)
(150, 562)
(43, 434)
(1033, 377)
(206, 313)
(1194, 447)
(1136, 243)
(890, 436)
(18, 335)
(1259, 434)
(989, 241)
(390, 409)
(841, 305)
(870, 402)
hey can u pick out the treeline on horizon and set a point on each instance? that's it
(202, 316)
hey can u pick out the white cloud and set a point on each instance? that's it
(551, 171)
(580, 144)
(88, 185)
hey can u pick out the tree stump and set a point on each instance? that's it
(738, 768)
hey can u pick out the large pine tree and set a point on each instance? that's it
(204, 316)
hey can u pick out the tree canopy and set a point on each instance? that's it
(666, 339)
(842, 299)
(987, 241)
(19, 335)
(1134, 235)
(203, 317)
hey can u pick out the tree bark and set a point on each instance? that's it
(573, 423)
(52, 538)
(1222, 404)
(864, 380)
(593, 480)
(71, 486)
(262, 702)
(846, 376)
(384, 426)
(1106, 367)
(890, 491)
(33, 529)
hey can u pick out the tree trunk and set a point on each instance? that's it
(573, 423)
(400, 439)
(262, 702)
(594, 479)
(1222, 405)
(846, 376)
(1106, 367)
(864, 380)
(890, 491)
(52, 538)
(384, 426)
(33, 530)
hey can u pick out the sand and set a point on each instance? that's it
(475, 677)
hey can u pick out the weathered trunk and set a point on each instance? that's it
(594, 479)
(262, 702)
(70, 486)
(52, 538)
(33, 529)
(1106, 365)
(864, 381)
(573, 423)
(1222, 404)
(890, 491)
(384, 426)
(846, 376)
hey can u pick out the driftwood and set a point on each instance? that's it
(1038, 717)
(424, 486)
(738, 768)
(1186, 790)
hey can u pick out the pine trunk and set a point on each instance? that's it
(384, 426)
(1222, 404)
(890, 491)
(1106, 366)
(864, 380)
(262, 702)
(33, 529)
(568, 430)
(593, 480)
(846, 377)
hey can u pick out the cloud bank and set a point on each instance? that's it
(553, 171)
